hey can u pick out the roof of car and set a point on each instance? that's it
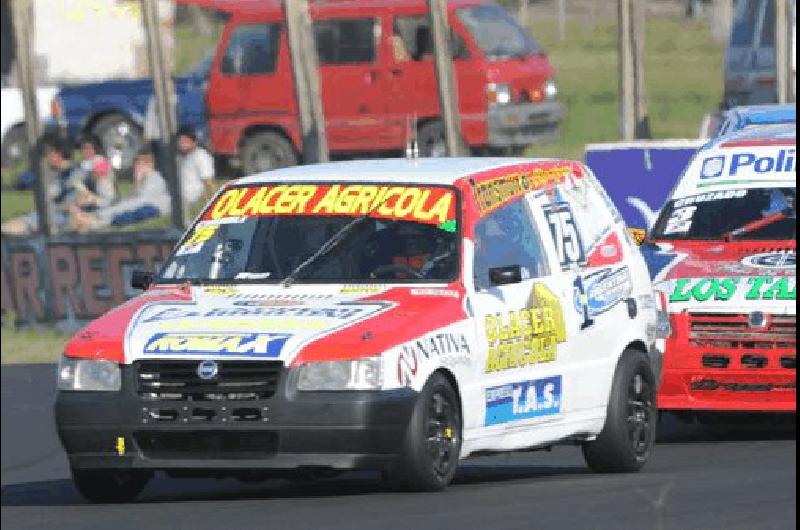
(765, 114)
(441, 171)
(257, 6)
(761, 135)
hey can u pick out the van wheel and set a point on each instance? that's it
(627, 438)
(121, 140)
(110, 485)
(431, 140)
(15, 148)
(266, 150)
(429, 456)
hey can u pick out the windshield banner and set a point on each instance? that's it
(423, 204)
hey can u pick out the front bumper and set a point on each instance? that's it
(522, 124)
(289, 430)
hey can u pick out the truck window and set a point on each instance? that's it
(411, 40)
(745, 17)
(508, 237)
(252, 49)
(345, 41)
(497, 33)
(768, 26)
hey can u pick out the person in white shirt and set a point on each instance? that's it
(195, 168)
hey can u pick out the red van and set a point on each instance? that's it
(377, 73)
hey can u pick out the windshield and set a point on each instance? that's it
(497, 33)
(745, 214)
(366, 232)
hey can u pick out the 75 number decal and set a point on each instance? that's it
(565, 234)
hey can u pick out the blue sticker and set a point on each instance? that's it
(523, 400)
(603, 290)
(250, 344)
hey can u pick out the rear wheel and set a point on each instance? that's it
(121, 139)
(110, 485)
(15, 148)
(432, 444)
(266, 150)
(627, 438)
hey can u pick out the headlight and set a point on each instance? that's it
(86, 374)
(359, 374)
(498, 94)
(550, 89)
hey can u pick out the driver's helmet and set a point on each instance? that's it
(414, 246)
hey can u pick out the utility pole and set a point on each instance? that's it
(562, 20)
(305, 67)
(522, 13)
(445, 75)
(166, 107)
(634, 122)
(783, 47)
(23, 34)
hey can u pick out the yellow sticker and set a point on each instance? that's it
(121, 445)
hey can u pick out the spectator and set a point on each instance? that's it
(150, 199)
(93, 180)
(195, 168)
(58, 156)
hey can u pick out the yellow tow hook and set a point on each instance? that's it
(448, 433)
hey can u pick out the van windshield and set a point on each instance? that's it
(756, 214)
(497, 33)
(336, 233)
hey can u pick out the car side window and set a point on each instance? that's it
(345, 41)
(507, 237)
(412, 41)
(252, 49)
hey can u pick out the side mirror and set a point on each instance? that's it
(505, 275)
(141, 280)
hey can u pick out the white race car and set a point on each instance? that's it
(392, 315)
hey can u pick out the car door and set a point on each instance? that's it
(352, 80)
(521, 324)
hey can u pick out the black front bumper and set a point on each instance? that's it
(289, 430)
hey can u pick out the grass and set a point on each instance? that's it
(683, 76)
(31, 345)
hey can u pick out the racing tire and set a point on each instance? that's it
(15, 148)
(432, 444)
(110, 485)
(431, 140)
(121, 140)
(626, 441)
(266, 150)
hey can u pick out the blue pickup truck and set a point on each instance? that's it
(115, 111)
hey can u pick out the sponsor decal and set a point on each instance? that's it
(529, 336)
(680, 221)
(734, 165)
(424, 204)
(253, 324)
(361, 289)
(723, 289)
(709, 197)
(493, 193)
(449, 293)
(638, 235)
(341, 311)
(200, 235)
(251, 344)
(565, 234)
(523, 400)
(772, 260)
(603, 290)
(448, 347)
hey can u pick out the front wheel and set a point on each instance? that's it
(265, 151)
(626, 441)
(110, 485)
(432, 444)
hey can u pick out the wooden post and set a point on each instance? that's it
(23, 34)
(721, 21)
(626, 79)
(445, 75)
(562, 20)
(522, 13)
(164, 93)
(783, 46)
(305, 68)
(634, 122)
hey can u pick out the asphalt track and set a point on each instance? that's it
(732, 477)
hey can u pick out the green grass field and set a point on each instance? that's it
(684, 81)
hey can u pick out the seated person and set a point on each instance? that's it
(151, 199)
(409, 250)
(58, 158)
(93, 180)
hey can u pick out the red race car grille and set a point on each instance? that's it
(734, 331)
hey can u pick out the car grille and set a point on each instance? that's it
(177, 380)
(733, 331)
(207, 444)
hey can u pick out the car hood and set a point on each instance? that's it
(293, 325)
(725, 275)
